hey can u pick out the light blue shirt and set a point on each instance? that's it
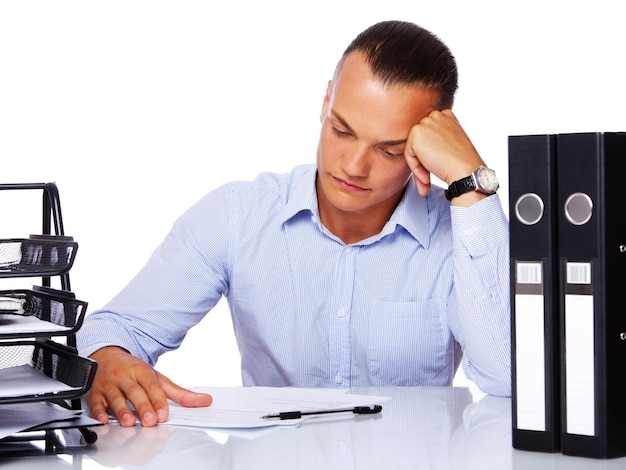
(399, 308)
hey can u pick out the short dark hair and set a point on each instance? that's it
(405, 53)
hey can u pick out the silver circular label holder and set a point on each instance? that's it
(578, 208)
(529, 208)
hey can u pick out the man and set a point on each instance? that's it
(351, 272)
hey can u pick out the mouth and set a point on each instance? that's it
(348, 186)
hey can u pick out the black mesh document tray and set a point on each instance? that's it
(42, 311)
(42, 370)
(34, 368)
(38, 255)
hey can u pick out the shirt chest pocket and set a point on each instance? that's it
(408, 343)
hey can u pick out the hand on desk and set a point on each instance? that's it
(122, 377)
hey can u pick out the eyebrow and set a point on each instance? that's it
(345, 124)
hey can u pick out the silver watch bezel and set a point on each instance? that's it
(485, 180)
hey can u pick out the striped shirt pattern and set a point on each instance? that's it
(399, 308)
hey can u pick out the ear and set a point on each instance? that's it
(329, 90)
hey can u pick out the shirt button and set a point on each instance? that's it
(341, 312)
(348, 249)
(338, 379)
(313, 219)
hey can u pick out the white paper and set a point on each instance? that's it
(13, 324)
(11, 304)
(243, 407)
(24, 380)
(21, 416)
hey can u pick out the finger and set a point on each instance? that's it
(413, 160)
(183, 396)
(421, 175)
(97, 407)
(119, 405)
(411, 157)
(147, 397)
(423, 188)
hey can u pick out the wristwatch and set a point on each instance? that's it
(482, 179)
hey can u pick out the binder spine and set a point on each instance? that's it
(534, 287)
(593, 275)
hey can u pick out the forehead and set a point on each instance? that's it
(365, 102)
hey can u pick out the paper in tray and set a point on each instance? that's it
(42, 370)
(42, 311)
(38, 255)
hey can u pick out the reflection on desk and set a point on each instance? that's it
(421, 427)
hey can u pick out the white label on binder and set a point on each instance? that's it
(579, 273)
(529, 273)
(529, 363)
(579, 365)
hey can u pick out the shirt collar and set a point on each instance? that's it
(411, 213)
(302, 196)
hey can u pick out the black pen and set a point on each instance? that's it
(360, 410)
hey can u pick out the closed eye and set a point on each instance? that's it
(390, 154)
(340, 132)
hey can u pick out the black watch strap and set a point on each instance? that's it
(459, 187)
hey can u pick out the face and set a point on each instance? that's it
(365, 124)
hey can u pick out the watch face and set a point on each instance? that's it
(487, 179)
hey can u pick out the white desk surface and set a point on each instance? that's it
(419, 428)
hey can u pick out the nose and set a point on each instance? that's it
(356, 160)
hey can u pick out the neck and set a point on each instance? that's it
(355, 226)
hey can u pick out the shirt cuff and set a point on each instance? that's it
(91, 338)
(481, 227)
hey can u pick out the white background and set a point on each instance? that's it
(138, 108)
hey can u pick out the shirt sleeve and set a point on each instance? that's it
(183, 279)
(479, 308)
